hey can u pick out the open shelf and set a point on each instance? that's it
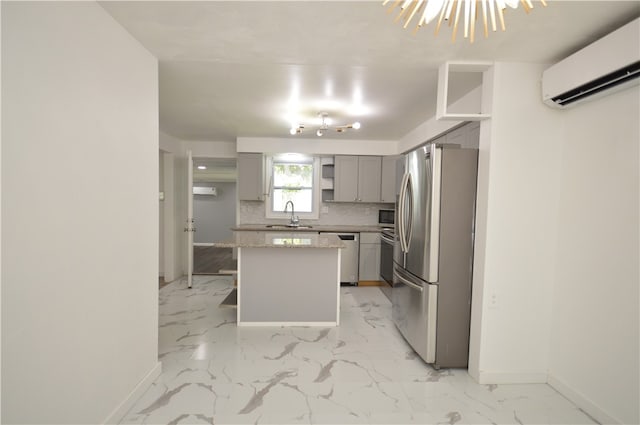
(444, 77)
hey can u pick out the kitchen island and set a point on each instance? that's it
(287, 278)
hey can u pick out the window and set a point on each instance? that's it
(293, 178)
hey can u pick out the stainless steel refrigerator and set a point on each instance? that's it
(433, 253)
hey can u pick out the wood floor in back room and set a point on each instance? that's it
(211, 260)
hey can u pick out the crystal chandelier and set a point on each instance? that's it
(325, 125)
(449, 11)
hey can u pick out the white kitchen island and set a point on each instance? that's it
(287, 278)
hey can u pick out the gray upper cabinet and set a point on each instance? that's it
(357, 178)
(388, 184)
(466, 136)
(251, 177)
(345, 184)
(369, 177)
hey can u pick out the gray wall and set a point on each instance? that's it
(215, 215)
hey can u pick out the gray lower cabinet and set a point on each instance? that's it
(357, 178)
(369, 256)
(251, 177)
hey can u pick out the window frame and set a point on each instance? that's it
(315, 186)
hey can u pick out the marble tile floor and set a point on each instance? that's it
(362, 372)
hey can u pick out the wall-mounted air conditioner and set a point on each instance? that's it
(212, 191)
(603, 67)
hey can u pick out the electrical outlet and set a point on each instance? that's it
(325, 210)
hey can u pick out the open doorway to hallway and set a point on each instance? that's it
(214, 212)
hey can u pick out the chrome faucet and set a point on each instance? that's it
(295, 221)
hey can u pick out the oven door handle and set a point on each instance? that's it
(386, 239)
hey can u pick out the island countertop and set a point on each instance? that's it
(269, 239)
(339, 228)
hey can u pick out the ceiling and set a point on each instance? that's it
(251, 68)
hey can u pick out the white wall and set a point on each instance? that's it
(317, 146)
(211, 149)
(1, 314)
(171, 144)
(517, 199)
(80, 257)
(594, 345)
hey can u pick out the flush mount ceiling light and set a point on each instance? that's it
(449, 11)
(325, 123)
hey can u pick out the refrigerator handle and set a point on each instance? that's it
(407, 282)
(409, 226)
(401, 214)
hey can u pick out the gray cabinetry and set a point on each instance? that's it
(388, 179)
(369, 175)
(357, 178)
(251, 177)
(345, 185)
(369, 256)
(467, 136)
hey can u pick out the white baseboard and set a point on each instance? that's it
(486, 378)
(118, 413)
(583, 402)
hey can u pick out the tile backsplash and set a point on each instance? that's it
(340, 213)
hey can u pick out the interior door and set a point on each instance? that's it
(190, 227)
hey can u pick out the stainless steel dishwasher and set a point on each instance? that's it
(349, 256)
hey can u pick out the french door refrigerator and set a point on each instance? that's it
(433, 253)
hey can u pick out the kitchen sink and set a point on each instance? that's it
(287, 226)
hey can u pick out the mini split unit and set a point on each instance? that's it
(211, 191)
(608, 65)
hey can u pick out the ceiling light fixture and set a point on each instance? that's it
(325, 123)
(449, 11)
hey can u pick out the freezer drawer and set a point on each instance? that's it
(415, 311)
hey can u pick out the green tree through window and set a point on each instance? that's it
(292, 182)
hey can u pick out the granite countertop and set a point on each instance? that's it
(342, 228)
(272, 239)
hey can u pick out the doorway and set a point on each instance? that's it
(214, 212)
(168, 260)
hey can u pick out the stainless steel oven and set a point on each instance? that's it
(387, 241)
